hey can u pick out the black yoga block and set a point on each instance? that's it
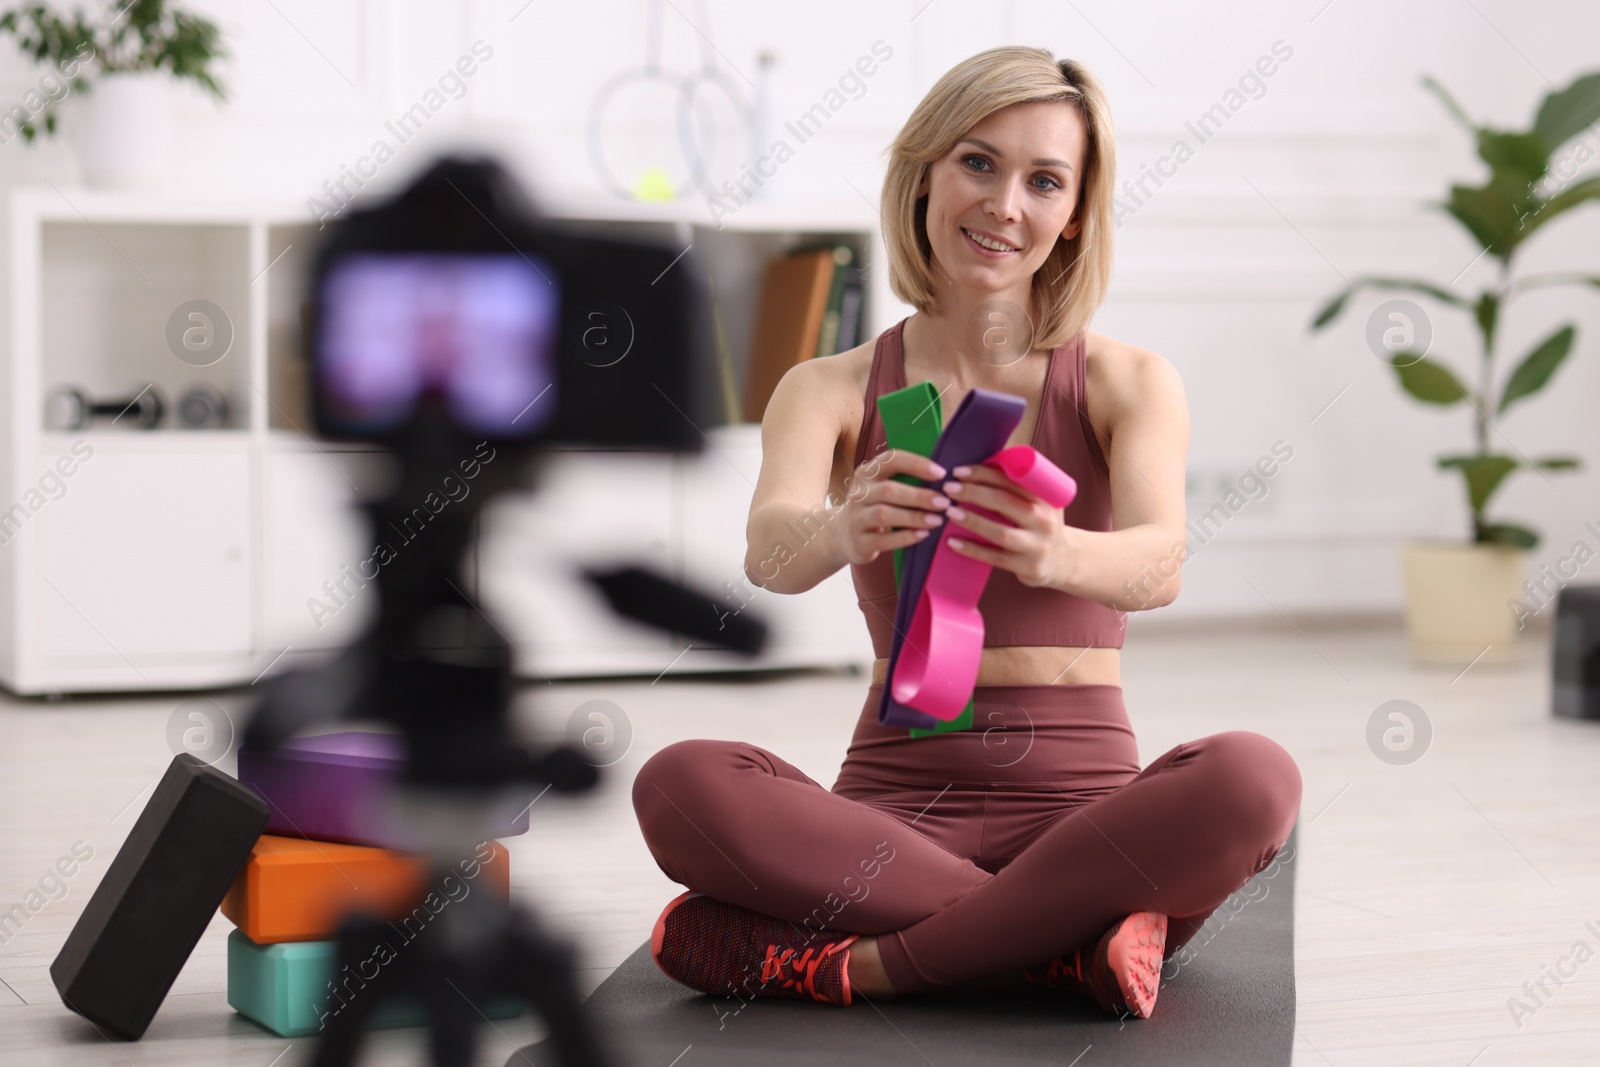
(157, 897)
(1575, 689)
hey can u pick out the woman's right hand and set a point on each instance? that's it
(879, 514)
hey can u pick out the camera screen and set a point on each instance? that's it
(480, 330)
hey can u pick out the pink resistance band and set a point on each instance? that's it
(938, 664)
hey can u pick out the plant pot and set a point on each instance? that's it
(126, 135)
(1456, 601)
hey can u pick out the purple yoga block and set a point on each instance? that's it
(335, 787)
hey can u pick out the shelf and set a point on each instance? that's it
(76, 203)
(853, 215)
(126, 304)
(145, 440)
(290, 253)
(197, 552)
(73, 203)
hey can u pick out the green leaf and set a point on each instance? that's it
(1483, 473)
(1558, 463)
(1505, 533)
(1449, 102)
(140, 35)
(1524, 157)
(1564, 278)
(1537, 367)
(1565, 200)
(1426, 379)
(1567, 112)
(1336, 305)
(1497, 214)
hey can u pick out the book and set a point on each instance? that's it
(850, 303)
(794, 297)
(828, 339)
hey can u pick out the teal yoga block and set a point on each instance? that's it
(284, 987)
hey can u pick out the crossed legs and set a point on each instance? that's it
(743, 825)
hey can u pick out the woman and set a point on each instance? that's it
(1030, 847)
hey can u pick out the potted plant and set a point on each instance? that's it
(1457, 593)
(133, 51)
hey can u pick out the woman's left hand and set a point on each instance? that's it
(1033, 549)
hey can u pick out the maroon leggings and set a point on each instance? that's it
(978, 852)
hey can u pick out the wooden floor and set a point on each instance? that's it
(1428, 893)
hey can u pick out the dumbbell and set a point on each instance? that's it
(69, 408)
(202, 407)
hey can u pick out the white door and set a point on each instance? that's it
(316, 587)
(146, 557)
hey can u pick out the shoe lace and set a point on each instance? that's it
(1060, 970)
(797, 969)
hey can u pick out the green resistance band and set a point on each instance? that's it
(913, 420)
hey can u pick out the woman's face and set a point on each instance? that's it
(1001, 197)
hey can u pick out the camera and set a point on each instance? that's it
(456, 305)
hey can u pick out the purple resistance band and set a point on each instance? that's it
(980, 427)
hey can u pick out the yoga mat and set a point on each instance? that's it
(1227, 998)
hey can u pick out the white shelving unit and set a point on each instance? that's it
(170, 558)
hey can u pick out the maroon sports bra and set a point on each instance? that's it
(1013, 613)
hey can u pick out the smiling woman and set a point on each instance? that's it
(1011, 89)
(1063, 865)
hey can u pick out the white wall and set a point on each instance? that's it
(1324, 175)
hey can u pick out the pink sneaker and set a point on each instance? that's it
(725, 950)
(1123, 972)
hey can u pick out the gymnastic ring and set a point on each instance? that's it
(597, 107)
(689, 140)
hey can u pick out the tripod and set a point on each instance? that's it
(433, 666)
(443, 316)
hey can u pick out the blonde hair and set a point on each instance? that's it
(1071, 283)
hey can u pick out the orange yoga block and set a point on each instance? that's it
(293, 889)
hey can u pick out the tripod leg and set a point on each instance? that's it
(540, 968)
(453, 1017)
(353, 997)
